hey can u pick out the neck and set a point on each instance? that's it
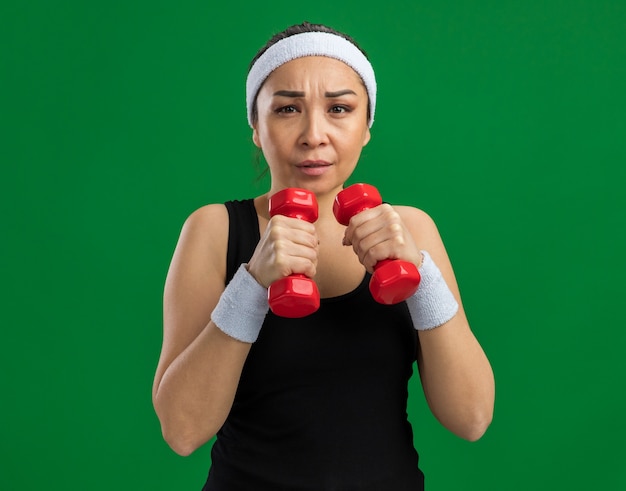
(325, 203)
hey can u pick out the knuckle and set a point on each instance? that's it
(274, 232)
(356, 237)
(371, 256)
(389, 212)
(398, 240)
(387, 209)
(395, 227)
(273, 223)
(279, 245)
(279, 259)
(356, 220)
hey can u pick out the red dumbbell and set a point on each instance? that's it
(295, 295)
(393, 280)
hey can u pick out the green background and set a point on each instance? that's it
(504, 120)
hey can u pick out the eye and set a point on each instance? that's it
(339, 109)
(286, 109)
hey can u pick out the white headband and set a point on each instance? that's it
(310, 44)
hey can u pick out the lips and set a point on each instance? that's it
(313, 167)
(312, 164)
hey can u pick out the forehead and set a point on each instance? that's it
(308, 69)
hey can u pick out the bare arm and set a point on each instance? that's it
(456, 376)
(200, 366)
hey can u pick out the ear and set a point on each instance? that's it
(255, 136)
(367, 136)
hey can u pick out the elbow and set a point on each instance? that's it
(475, 432)
(182, 435)
(475, 426)
(182, 444)
(469, 423)
(185, 440)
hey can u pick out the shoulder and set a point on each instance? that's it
(208, 224)
(207, 218)
(203, 240)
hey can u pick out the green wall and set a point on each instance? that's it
(504, 120)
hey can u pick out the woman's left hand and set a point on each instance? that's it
(379, 233)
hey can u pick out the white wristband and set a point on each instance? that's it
(242, 307)
(433, 304)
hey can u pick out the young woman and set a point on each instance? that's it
(318, 402)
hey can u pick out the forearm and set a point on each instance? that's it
(457, 378)
(197, 390)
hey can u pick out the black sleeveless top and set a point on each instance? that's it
(321, 403)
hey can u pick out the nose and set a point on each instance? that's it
(314, 131)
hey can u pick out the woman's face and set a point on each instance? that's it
(312, 123)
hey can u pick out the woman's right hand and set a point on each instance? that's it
(288, 246)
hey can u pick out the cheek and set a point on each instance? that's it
(357, 140)
(272, 145)
(278, 136)
(263, 137)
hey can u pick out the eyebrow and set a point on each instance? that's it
(339, 93)
(289, 93)
(293, 93)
